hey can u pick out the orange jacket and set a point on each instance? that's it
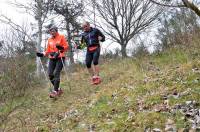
(51, 45)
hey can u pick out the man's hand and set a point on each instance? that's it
(39, 54)
(100, 38)
(59, 47)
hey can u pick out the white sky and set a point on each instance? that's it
(12, 12)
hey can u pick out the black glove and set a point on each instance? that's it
(39, 54)
(59, 47)
(54, 54)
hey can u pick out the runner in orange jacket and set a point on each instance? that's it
(56, 48)
(56, 44)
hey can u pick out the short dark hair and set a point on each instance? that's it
(53, 28)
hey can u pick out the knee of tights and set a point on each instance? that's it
(51, 77)
(95, 63)
(88, 65)
(57, 79)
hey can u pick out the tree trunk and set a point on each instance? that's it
(38, 70)
(193, 7)
(39, 43)
(123, 50)
(71, 55)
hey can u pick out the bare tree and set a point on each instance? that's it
(191, 4)
(39, 9)
(125, 19)
(20, 28)
(178, 27)
(22, 41)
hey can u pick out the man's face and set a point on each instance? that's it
(86, 27)
(52, 32)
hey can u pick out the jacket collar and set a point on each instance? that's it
(57, 34)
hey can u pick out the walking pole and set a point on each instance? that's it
(45, 73)
(43, 69)
(63, 65)
(66, 73)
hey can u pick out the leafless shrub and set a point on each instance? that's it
(141, 50)
(179, 29)
(16, 79)
(16, 72)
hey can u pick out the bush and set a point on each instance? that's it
(15, 77)
(141, 50)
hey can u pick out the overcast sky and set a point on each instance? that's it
(12, 12)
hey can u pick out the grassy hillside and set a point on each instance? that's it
(147, 93)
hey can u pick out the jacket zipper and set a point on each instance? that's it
(90, 41)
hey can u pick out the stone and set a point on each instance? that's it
(156, 130)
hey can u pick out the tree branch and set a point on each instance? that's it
(166, 5)
(193, 7)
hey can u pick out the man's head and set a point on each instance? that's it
(86, 26)
(53, 30)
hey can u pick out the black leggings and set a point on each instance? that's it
(92, 56)
(54, 69)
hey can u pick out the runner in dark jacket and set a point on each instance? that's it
(91, 36)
